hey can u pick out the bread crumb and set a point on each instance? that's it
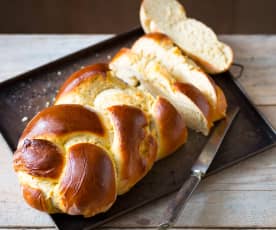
(108, 57)
(47, 104)
(58, 73)
(24, 119)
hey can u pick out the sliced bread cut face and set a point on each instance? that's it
(156, 80)
(190, 102)
(173, 10)
(196, 39)
(160, 47)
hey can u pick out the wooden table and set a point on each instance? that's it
(243, 196)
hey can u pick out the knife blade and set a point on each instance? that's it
(198, 170)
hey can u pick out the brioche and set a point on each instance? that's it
(104, 133)
(196, 39)
(161, 48)
(147, 73)
(99, 139)
(101, 90)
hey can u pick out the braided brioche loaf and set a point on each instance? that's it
(97, 142)
(103, 135)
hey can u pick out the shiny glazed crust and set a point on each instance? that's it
(197, 97)
(57, 177)
(82, 75)
(170, 127)
(77, 156)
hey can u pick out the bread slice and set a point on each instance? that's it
(196, 39)
(161, 48)
(144, 72)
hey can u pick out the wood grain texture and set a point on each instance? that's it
(243, 196)
(13, 210)
(24, 52)
(258, 55)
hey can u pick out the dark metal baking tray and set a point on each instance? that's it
(23, 96)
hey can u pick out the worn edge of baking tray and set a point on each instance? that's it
(66, 58)
(117, 38)
(261, 114)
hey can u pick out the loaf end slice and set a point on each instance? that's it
(195, 38)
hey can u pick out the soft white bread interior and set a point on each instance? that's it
(193, 37)
(141, 71)
(160, 47)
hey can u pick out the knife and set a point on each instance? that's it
(198, 170)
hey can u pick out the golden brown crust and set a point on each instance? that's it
(88, 185)
(88, 176)
(63, 119)
(221, 106)
(84, 90)
(35, 198)
(172, 129)
(77, 77)
(121, 52)
(157, 36)
(137, 149)
(198, 98)
(39, 158)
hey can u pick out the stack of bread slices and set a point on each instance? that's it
(173, 60)
(155, 64)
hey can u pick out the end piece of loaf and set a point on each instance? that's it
(196, 39)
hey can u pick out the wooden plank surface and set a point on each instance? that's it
(243, 196)
(24, 52)
(258, 55)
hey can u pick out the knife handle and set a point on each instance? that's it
(178, 203)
